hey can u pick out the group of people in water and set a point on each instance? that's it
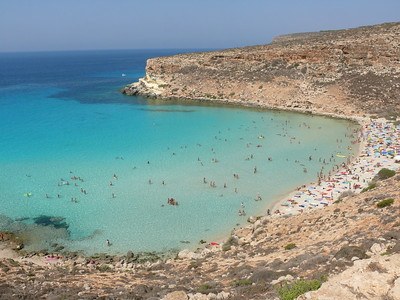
(233, 184)
(172, 201)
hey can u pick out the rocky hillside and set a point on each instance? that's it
(352, 72)
(256, 262)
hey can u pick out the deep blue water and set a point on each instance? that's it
(65, 130)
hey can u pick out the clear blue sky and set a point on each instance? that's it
(35, 25)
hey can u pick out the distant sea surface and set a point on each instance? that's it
(81, 163)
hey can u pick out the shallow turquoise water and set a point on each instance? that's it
(52, 131)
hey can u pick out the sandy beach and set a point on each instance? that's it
(379, 143)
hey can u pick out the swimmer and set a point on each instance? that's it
(108, 243)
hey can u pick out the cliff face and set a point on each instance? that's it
(354, 71)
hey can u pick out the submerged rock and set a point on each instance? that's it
(56, 222)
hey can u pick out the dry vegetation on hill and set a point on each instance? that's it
(352, 72)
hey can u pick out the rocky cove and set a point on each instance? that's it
(351, 248)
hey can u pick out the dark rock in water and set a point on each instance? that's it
(59, 248)
(22, 219)
(56, 222)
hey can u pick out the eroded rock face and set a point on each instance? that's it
(375, 278)
(353, 71)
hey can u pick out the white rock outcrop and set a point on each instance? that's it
(374, 278)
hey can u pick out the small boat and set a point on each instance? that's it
(123, 74)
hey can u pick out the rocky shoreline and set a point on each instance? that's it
(344, 72)
(351, 247)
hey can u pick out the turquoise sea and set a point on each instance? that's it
(81, 163)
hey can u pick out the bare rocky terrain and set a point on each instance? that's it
(352, 72)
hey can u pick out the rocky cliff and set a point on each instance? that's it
(354, 71)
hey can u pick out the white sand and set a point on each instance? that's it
(379, 143)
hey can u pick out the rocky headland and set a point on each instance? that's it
(345, 72)
(349, 249)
